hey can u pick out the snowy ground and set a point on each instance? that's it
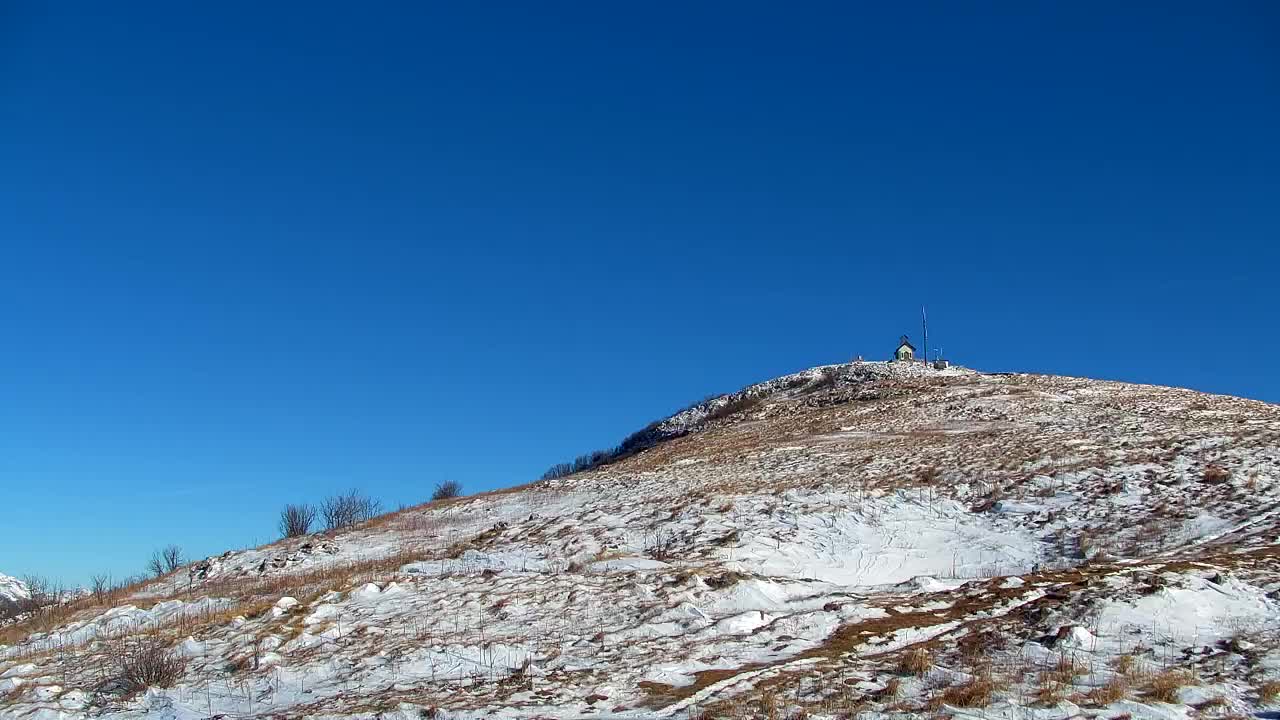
(12, 589)
(1035, 547)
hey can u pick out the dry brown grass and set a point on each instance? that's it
(891, 690)
(42, 622)
(769, 705)
(974, 693)
(1057, 681)
(1114, 691)
(1065, 670)
(1215, 703)
(1049, 692)
(1269, 692)
(915, 662)
(1216, 474)
(252, 597)
(1164, 687)
(1126, 665)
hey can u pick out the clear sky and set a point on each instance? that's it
(258, 252)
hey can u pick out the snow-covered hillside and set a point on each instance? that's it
(875, 539)
(12, 589)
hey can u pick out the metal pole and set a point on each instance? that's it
(924, 321)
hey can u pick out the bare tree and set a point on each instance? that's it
(446, 490)
(100, 585)
(296, 520)
(41, 593)
(165, 560)
(350, 508)
(155, 566)
(172, 558)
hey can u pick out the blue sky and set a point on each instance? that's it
(256, 253)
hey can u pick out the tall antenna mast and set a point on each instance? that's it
(924, 320)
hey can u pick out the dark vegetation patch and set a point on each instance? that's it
(654, 433)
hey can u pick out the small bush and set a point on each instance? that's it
(447, 490)
(641, 440)
(296, 520)
(351, 508)
(660, 545)
(149, 663)
(733, 406)
(915, 662)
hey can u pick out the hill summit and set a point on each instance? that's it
(865, 539)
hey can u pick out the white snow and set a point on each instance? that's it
(893, 507)
(12, 589)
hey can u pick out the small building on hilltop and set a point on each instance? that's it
(906, 352)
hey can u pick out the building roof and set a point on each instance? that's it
(906, 342)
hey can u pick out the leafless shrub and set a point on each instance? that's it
(101, 587)
(447, 490)
(660, 545)
(1151, 535)
(296, 520)
(148, 662)
(350, 508)
(42, 593)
